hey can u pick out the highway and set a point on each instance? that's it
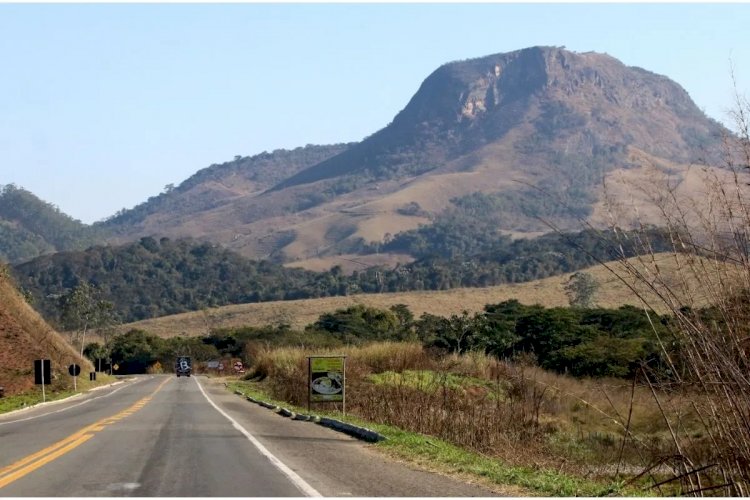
(156, 436)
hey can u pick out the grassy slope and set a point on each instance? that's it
(298, 313)
(24, 337)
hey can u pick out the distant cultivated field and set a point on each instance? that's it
(298, 313)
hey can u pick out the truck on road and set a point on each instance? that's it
(183, 366)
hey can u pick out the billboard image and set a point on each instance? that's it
(326, 378)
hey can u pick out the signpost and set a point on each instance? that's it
(74, 371)
(326, 380)
(42, 373)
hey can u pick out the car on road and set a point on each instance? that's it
(183, 366)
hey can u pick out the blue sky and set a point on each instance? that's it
(102, 105)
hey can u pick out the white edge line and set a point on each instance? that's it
(68, 407)
(293, 476)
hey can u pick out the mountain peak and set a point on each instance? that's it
(476, 136)
(558, 95)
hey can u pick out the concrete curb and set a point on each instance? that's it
(352, 430)
(109, 385)
(337, 425)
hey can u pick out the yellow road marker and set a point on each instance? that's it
(36, 460)
(47, 458)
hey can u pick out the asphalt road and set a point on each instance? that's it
(189, 437)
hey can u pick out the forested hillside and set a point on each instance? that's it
(30, 227)
(153, 278)
(156, 277)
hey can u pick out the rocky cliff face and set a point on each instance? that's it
(581, 103)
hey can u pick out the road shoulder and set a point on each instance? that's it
(336, 464)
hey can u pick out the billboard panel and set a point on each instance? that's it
(327, 378)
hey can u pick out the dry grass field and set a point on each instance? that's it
(521, 415)
(298, 313)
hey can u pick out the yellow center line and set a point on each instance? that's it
(36, 460)
(6, 480)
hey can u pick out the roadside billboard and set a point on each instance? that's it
(326, 378)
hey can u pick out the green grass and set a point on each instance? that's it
(445, 457)
(420, 379)
(30, 398)
(16, 402)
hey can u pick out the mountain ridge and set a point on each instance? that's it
(536, 132)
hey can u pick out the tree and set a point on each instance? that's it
(358, 323)
(81, 309)
(136, 350)
(405, 321)
(459, 333)
(581, 289)
(96, 352)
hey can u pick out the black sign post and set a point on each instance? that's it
(42, 374)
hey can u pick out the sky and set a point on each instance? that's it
(103, 105)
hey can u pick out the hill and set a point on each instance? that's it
(30, 227)
(548, 292)
(517, 137)
(177, 211)
(24, 337)
(152, 278)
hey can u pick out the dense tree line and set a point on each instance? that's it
(450, 256)
(580, 341)
(153, 278)
(593, 342)
(138, 351)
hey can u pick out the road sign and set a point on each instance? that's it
(213, 364)
(42, 374)
(74, 370)
(42, 371)
(326, 378)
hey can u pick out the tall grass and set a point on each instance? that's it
(518, 413)
(710, 366)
